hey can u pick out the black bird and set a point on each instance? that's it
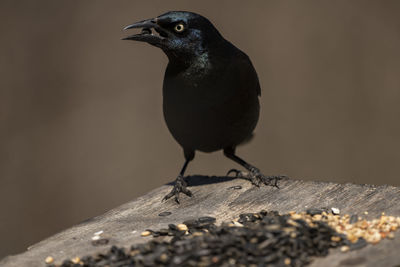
(210, 91)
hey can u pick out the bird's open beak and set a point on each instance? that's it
(146, 35)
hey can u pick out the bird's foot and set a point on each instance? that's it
(179, 187)
(257, 178)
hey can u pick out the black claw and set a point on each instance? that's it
(267, 180)
(167, 196)
(187, 192)
(255, 183)
(179, 187)
(257, 178)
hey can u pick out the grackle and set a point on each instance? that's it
(210, 91)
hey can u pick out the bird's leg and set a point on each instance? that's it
(254, 175)
(180, 183)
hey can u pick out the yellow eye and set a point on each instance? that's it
(179, 27)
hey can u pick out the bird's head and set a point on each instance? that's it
(179, 34)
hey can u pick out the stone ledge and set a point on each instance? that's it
(213, 197)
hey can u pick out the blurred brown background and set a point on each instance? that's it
(81, 126)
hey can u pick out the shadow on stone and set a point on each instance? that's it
(197, 180)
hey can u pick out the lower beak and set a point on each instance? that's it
(145, 35)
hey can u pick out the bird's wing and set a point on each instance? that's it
(258, 82)
(251, 74)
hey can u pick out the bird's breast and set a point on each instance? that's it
(208, 112)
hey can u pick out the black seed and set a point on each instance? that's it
(191, 223)
(264, 213)
(206, 219)
(100, 242)
(173, 227)
(265, 239)
(155, 234)
(165, 213)
(67, 263)
(313, 212)
(163, 231)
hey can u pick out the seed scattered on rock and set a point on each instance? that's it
(76, 260)
(353, 227)
(335, 211)
(312, 212)
(238, 224)
(206, 220)
(99, 232)
(145, 233)
(254, 239)
(165, 213)
(182, 227)
(236, 187)
(197, 233)
(96, 237)
(99, 241)
(49, 260)
(296, 216)
(344, 248)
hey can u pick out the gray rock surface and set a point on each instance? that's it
(214, 197)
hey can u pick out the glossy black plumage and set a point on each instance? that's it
(210, 90)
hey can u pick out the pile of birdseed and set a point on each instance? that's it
(357, 230)
(254, 239)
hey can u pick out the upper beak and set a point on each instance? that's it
(144, 36)
(148, 23)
